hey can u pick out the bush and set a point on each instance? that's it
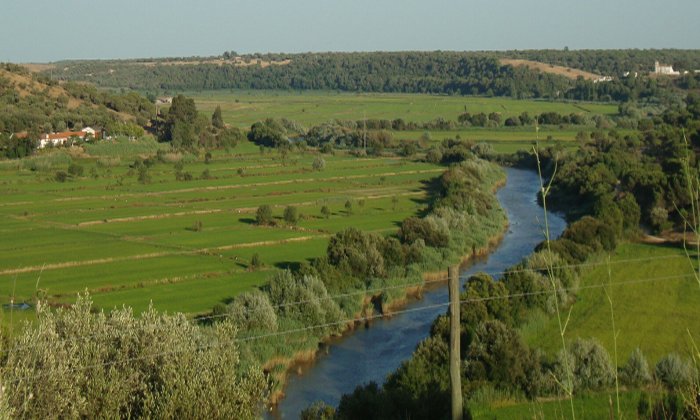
(498, 355)
(590, 365)
(673, 372)
(348, 207)
(75, 170)
(426, 229)
(113, 371)
(255, 261)
(318, 164)
(253, 311)
(318, 411)
(317, 306)
(263, 216)
(326, 212)
(636, 371)
(61, 176)
(291, 215)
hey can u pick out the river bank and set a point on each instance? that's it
(371, 353)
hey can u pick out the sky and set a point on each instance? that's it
(51, 30)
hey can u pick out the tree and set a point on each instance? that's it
(318, 164)
(348, 207)
(216, 119)
(326, 212)
(180, 122)
(291, 215)
(263, 216)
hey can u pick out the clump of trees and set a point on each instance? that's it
(185, 128)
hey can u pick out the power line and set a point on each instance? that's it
(398, 286)
(353, 320)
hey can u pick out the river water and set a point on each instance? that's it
(370, 354)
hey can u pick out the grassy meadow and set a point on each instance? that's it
(243, 108)
(654, 301)
(183, 245)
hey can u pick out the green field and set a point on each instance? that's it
(592, 406)
(655, 302)
(132, 243)
(243, 108)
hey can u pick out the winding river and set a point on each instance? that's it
(370, 354)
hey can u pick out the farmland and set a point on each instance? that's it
(187, 245)
(243, 108)
(184, 245)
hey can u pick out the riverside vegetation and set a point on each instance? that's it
(612, 188)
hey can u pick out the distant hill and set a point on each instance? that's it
(35, 103)
(550, 74)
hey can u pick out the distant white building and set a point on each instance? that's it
(665, 69)
(603, 79)
(59, 139)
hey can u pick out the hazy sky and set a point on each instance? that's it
(48, 30)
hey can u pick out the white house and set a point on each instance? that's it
(57, 139)
(665, 69)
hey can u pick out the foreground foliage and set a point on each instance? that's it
(76, 363)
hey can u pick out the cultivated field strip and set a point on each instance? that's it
(130, 243)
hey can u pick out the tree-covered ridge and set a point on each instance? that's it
(418, 72)
(612, 62)
(438, 72)
(33, 102)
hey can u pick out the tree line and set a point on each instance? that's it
(437, 72)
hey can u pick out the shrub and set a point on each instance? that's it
(61, 176)
(673, 372)
(636, 371)
(263, 216)
(255, 261)
(318, 164)
(253, 311)
(357, 253)
(144, 177)
(75, 170)
(113, 372)
(318, 411)
(428, 230)
(196, 226)
(434, 155)
(291, 215)
(498, 355)
(317, 306)
(590, 365)
(326, 212)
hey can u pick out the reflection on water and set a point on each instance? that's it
(370, 354)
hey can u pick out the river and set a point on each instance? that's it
(370, 354)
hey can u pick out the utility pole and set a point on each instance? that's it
(455, 370)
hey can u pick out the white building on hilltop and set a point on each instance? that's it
(664, 69)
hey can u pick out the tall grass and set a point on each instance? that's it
(568, 385)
